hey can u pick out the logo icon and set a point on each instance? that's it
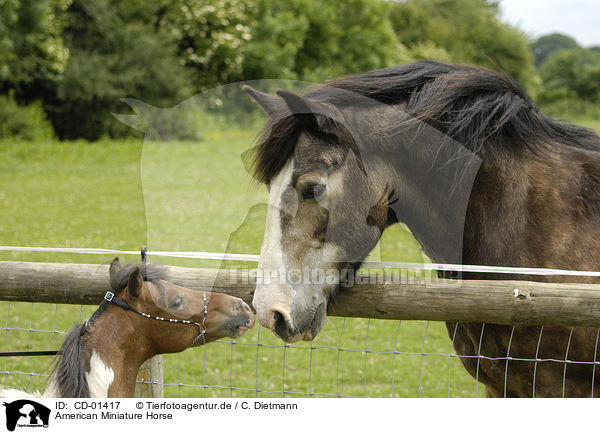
(26, 413)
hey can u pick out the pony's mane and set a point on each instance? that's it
(69, 370)
(482, 109)
(150, 273)
(69, 367)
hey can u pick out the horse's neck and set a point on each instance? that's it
(115, 352)
(432, 198)
(536, 211)
(100, 376)
(514, 210)
(112, 353)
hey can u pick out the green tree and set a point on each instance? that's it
(117, 50)
(544, 46)
(32, 53)
(469, 31)
(276, 38)
(232, 40)
(211, 37)
(343, 38)
(572, 74)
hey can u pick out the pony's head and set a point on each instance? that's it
(143, 288)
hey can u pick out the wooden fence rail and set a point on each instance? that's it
(373, 296)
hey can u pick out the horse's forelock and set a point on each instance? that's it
(279, 141)
(150, 272)
(276, 146)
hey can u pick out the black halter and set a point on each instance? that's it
(110, 298)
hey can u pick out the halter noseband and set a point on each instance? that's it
(110, 298)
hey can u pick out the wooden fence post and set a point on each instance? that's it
(151, 377)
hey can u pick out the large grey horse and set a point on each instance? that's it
(480, 176)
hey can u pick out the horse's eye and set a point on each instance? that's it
(177, 302)
(312, 191)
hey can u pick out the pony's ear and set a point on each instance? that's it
(134, 286)
(313, 114)
(269, 103)
(115, 267)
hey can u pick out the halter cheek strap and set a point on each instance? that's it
(110, 298)
(203, 325)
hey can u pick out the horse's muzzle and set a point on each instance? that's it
(242, 322)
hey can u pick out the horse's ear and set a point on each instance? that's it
(269, 103)
(115, 267)
(311, 113)
(134, 286)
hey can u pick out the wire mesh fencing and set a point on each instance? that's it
(352, 357)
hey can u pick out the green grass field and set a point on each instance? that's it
(197, 197)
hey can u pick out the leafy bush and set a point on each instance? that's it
(26, 122)
(572, 74)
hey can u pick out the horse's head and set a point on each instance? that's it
(142, 288)
(327, 209)
(340, 168)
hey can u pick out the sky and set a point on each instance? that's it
(579, 19)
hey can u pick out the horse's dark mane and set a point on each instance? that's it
(482, 109)
(69, 367)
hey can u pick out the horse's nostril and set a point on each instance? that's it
(274, 316)
(279, 325)
(245, 308)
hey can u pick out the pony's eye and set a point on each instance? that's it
(312, 191)
(178, 302)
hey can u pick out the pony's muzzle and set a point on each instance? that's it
(242, 321)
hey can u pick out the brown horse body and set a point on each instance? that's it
(361, 153)
(534, 211)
